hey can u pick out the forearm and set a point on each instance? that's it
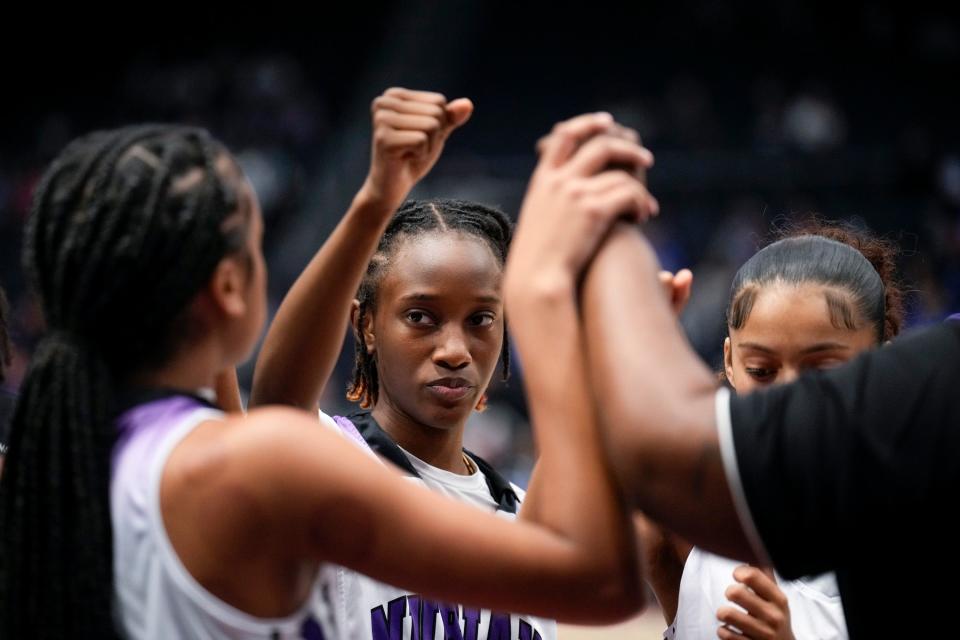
(656, 397)
(576, 494)
(306, 336)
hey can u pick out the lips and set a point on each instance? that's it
(450, 389)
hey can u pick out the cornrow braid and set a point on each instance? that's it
(414, 218)
(126, 227)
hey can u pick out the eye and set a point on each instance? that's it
(419, 318)
(482, 319)
(762, 374)
(826, 363)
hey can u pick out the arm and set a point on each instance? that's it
(305, 338)
(569, 198)
(298, 494)
(656, 399)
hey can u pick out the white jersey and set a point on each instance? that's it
(156, 596)
(365, 609)
(816, 612)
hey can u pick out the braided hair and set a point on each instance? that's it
(416, 217)
(127, 225)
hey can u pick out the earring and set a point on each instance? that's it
(481, 403)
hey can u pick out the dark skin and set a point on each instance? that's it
(436, 331)
(277, 496)
(585, 576)
(684, 486)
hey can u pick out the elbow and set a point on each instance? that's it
(614, 598)
(626, 599)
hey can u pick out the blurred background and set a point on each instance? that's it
(758, 113)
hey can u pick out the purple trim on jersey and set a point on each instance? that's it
(147, 424)
(350, 429)
(955, 318)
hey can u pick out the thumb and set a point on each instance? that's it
(682, 283)
(459, 111)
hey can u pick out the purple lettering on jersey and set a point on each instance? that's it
(427, 621)
(450, 616)
(389, 625)
(499, 628)
(471, 624)
(311, 630)
(413, 603)
(527, 632)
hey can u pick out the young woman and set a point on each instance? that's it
(812, 300)
(429, 328)
(130, 506)
(828, 473)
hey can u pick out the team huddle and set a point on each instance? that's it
(139, 499)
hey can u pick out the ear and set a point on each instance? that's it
(228, 287)
(728, 362)
(366, 332)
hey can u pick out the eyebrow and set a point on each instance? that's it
(429, 297)
(821, 346)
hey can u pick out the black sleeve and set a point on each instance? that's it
(847, 462)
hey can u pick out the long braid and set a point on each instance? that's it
(115, 250)
(414, 218)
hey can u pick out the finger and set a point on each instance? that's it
(753, 603)
(416, 96)
(682, 286)
(747, 624)
(393, 140)
(618, 179)
(666, 279)
(404, 122)
(627, 133)
(762, 584)
(600, 152)
(458, 112)
(666, 282)
(557, 147)
(410, 107)
(630, 200)
(728, 634)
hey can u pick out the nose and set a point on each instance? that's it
(452, 351)
(788, 375)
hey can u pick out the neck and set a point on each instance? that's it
(439, 447)
(191, 368)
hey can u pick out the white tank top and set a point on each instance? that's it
(365, 609)
(156, 597)
(816, 612)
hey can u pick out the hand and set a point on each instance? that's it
(767, 613)
(409, 132)
(676, 286)
(575, 196)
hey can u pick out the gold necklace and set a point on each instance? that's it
(471, 467)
